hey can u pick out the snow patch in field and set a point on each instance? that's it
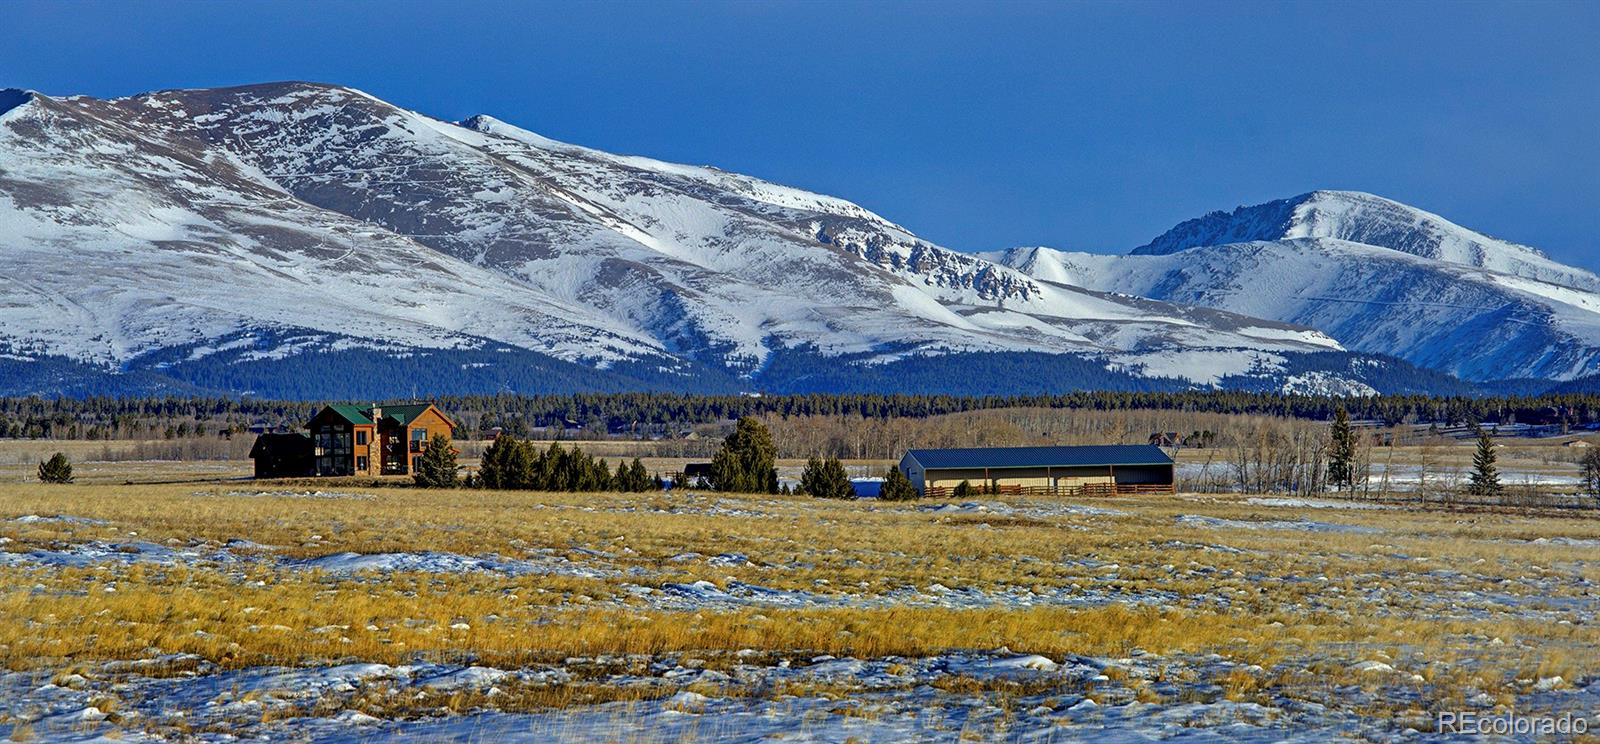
(436, 562)
(58, 519)
(1032, 510)
(1301, 525)
(289, 494)
(1298, 503)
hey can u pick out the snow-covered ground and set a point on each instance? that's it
(889, 699)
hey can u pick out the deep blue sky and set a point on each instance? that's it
(977, 125)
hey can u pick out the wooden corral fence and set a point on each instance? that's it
(1087, 489)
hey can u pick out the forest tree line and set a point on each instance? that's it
(669, 416)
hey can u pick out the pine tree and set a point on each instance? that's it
(1485, 474)
(747, 461)
(56, 469)
(1341, 451)
(494, 468)
(897, 487)
(827, 479)
(963, 490)
(811, 476)
(839, 479)
(521, 466)
(437, 466)
(638, 477)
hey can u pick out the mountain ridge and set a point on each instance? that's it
(265, 222)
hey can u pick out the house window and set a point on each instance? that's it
(361, 437)
(361, 464)
(416, 464)
(418, 435)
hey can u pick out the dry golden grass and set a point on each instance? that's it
(1291, 596)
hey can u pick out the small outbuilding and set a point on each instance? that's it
(282, 455)
(1067, 471)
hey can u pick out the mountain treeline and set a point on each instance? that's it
(668, 415)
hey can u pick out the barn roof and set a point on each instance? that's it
(1039, 457)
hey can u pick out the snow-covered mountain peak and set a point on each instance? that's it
(1367, 219)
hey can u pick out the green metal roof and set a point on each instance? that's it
(353, 414)
(403, 414)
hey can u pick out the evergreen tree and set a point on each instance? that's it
(494, 468)
(1485, 474)
(897, 487)
(811, 476)
(747, 461)
(56, 469)
(521, 466)
(623, 479)
(1341, 451)
(437, 466)
(963, 490)
(639, 478)
(827, 479)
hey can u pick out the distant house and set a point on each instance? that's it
(1166, 439)
(1067, 471)
(353, 440)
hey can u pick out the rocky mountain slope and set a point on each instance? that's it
(191, 230)
(1377, 275)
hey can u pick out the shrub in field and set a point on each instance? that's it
(827, 479)
(897, 487)
(437, 466)
(964, 490)
(56, 469)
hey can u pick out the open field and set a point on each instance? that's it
(343, 612)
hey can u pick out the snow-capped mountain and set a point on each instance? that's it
(281, 220)
(1379, 276)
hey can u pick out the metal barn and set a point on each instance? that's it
(1103, 470)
